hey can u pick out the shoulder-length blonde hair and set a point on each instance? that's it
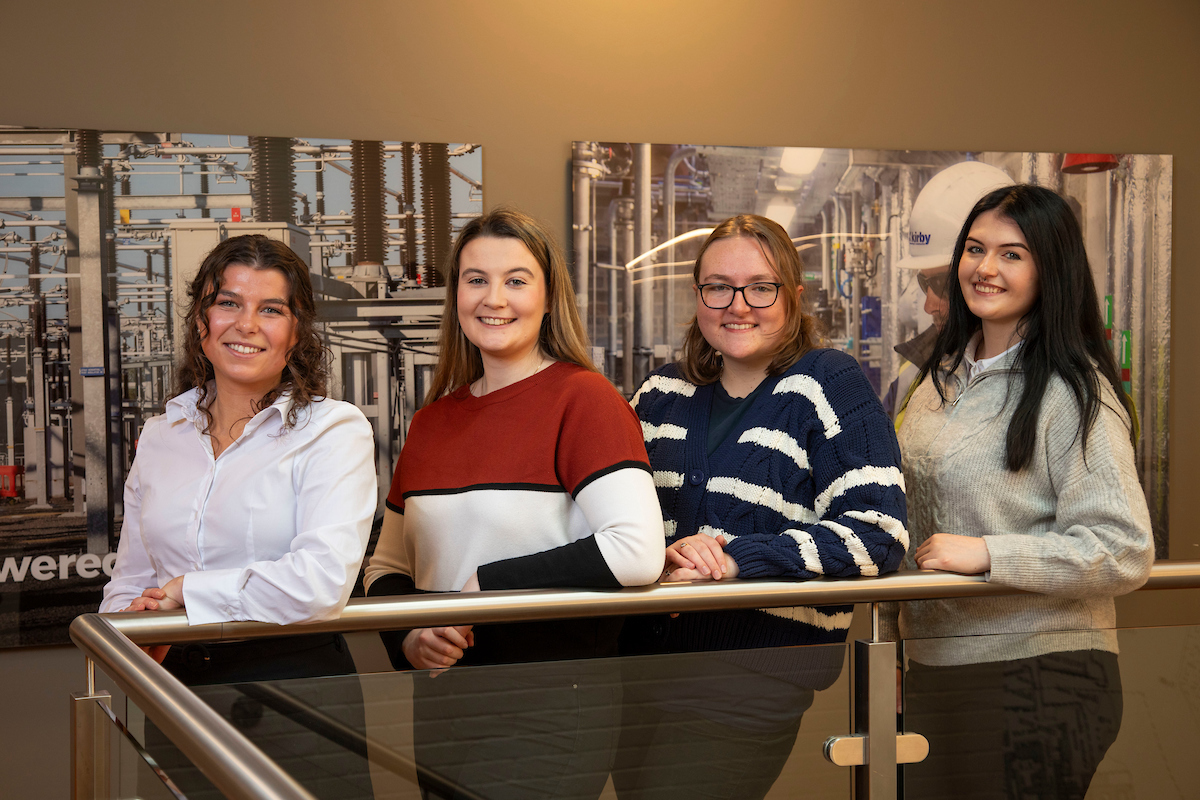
(699, 361)
(562, 336)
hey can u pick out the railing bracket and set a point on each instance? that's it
(851, 750)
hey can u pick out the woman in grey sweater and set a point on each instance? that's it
(1019, 464)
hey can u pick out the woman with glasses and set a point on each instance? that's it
(773, 458)
(1018, 446)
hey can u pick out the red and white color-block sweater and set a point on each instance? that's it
(544, 483)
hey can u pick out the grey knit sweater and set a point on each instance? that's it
(1074, 530)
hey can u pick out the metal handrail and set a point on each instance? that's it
(241, 770)
(453, 608)
(227, 758)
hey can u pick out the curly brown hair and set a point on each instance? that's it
(699, 361)
(306, 374)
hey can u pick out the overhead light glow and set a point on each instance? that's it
(683, 237)
(782, 211)
(800, 160)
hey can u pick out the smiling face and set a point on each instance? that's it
(746, 337)
(501, 299)
(250, 330)
(999, 279)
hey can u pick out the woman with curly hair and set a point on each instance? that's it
(252, 497)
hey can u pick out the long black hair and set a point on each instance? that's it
(1063, 333)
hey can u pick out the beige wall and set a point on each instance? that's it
(526, 78)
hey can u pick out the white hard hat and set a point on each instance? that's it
(941, 209)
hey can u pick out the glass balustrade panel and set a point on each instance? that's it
(1095, 714)
(679, 725)
(125, 769)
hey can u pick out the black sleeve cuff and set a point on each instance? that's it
(394, 583)
(578, 565)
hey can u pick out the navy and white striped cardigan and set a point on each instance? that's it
(807, 485)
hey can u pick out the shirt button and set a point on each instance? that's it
(696, 478)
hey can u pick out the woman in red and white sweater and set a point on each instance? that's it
(525, 469)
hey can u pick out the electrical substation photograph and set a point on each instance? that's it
(101, 233)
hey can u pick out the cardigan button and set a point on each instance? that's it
(696, 478)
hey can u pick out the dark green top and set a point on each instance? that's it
(726, 412)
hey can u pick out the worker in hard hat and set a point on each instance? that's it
(933, 226)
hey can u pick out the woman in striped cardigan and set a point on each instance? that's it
(772, 458)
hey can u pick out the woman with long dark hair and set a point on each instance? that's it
(1019, 464)
(525, 469)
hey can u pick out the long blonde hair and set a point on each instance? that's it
(699, 361)
(562, 336)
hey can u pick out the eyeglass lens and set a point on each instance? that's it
(756, 295)
(936, 284)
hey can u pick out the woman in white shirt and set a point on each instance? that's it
(252, 497)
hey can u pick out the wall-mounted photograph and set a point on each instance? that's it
(101, 233)
(875, 230)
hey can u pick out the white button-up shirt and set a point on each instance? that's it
(274, 530)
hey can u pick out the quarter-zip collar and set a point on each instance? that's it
(976, 366)
(1002, 364)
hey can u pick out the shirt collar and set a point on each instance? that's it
(183, 406)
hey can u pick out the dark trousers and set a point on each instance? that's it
(664, 755)
(261, 687)
(712, 725)
(520, 731)
(1031, 728)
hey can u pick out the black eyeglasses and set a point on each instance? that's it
(936, 284)
(756, 295)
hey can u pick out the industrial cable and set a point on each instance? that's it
(874, 267)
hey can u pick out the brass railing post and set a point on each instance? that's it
(875, 718)
(90, 739)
